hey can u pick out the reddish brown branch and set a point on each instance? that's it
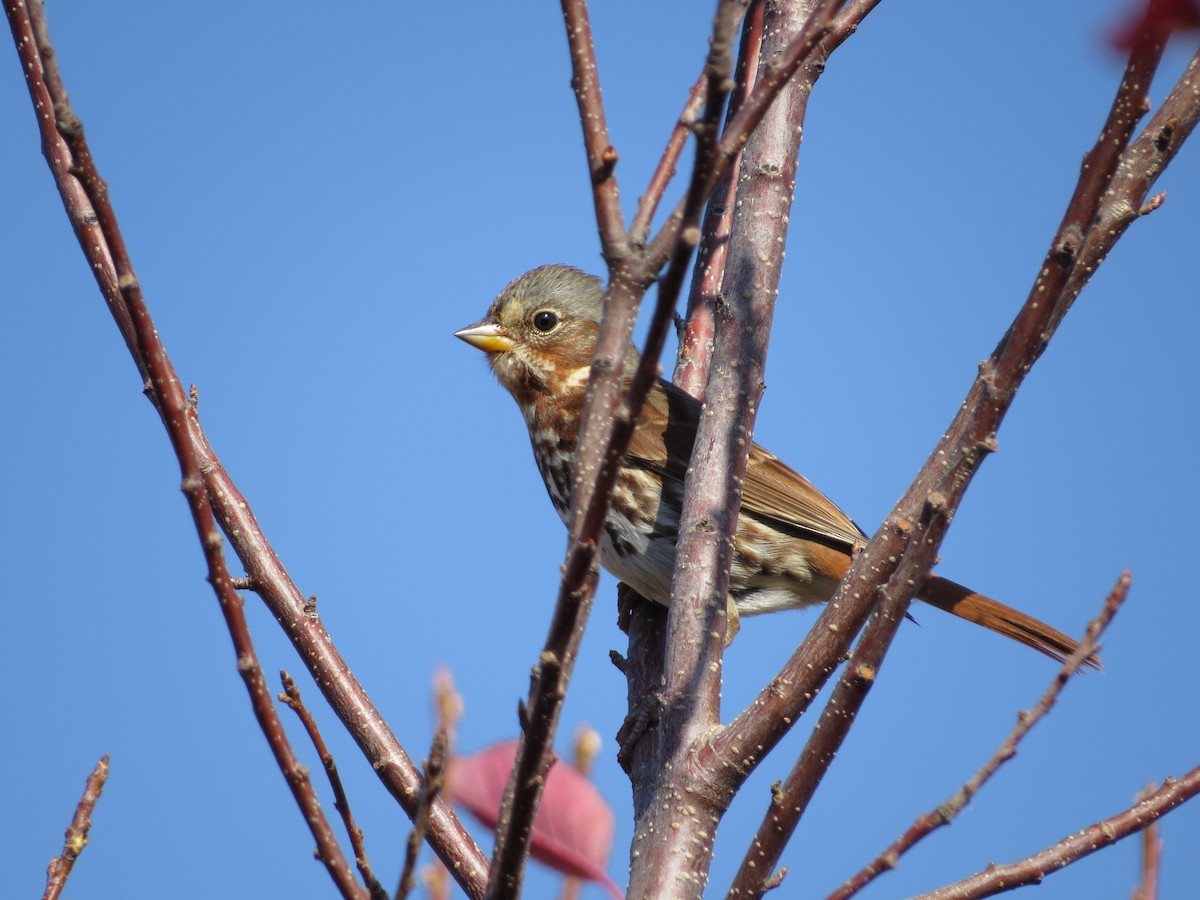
(845, 23)
(177, 409)
(665, 170)
(601, 154)
(91, 215)
(946, 813)
(291, 697)
(695, 345)
(696, 341)
(1032, 870)
(604, 435)
(60, 867)
(697, 617)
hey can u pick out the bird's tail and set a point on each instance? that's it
(995, 616)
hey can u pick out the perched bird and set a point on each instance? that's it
(792, 546)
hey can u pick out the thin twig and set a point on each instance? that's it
(177, 409)
(700, 617)
(846, 22)
(696, 341)
(91, 215)
(945, 813)
(77, 832)
(431, 786)
(665, 170)
(604, 433)
(773, 77)
(996, 879)
(601, 154)
(291, 697)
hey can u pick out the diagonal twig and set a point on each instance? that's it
(60, 867)
(997, 879)
(291, 697)
(929, 822)
(665, 170)
(432, 782)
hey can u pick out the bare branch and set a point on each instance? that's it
(949, 810)
(699, 619)
(91, 215)
(60, 867)
(665, 170)
(291, 697)
(1137, 169)
(696, 342)
(774, 76)
(601, 154)
(695, 345)
(1032, 870)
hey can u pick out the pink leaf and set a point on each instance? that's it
(1157, 16)
(573, 831)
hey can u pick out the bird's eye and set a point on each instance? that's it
(545, 320)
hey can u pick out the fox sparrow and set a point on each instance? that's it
(792, 546)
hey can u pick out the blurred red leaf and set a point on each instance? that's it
(573, 831)
(1161, 16)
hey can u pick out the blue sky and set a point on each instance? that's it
(315, 202)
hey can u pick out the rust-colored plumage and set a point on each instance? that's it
(792, 546)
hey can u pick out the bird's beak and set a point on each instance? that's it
(486, 336)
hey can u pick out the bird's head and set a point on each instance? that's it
(540, 332)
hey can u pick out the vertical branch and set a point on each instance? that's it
(672, 246)
(601, 154)
(697, 617)
(712, 491)
(695, 344)
(1152, 848)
